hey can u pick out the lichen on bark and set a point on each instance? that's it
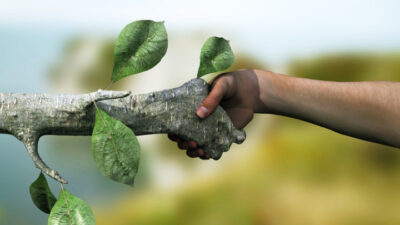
(30, 116)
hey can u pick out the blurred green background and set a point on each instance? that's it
(286, 172)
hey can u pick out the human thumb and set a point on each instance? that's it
(213, 99)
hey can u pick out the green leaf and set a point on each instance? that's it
(139, 47)
(41, 194)
(70, 210)
(116, 149)
(216, 55)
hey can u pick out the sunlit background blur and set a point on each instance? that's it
(287, 171)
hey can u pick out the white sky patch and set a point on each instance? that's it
(251, 13)
(272, 30)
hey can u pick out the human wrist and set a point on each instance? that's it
(272, 89)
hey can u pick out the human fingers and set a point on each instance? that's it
(206, 156)
(193, 153)
(175, 138)
(213, 99)
(183, 145)
(192, 145)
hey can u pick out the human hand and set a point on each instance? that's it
(238, 93)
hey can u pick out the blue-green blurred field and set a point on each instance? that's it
(286, 172)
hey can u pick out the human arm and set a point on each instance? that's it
(365, 110)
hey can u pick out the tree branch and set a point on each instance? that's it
(30, 116)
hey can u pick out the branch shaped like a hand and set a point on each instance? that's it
(238, 93)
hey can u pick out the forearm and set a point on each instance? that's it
(365, 110)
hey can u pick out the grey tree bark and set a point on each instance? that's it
(30, 116)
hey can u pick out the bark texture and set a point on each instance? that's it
(30, 116)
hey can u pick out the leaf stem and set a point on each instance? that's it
(108, 86)
(66, 202)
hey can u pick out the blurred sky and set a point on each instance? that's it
(273, 30)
